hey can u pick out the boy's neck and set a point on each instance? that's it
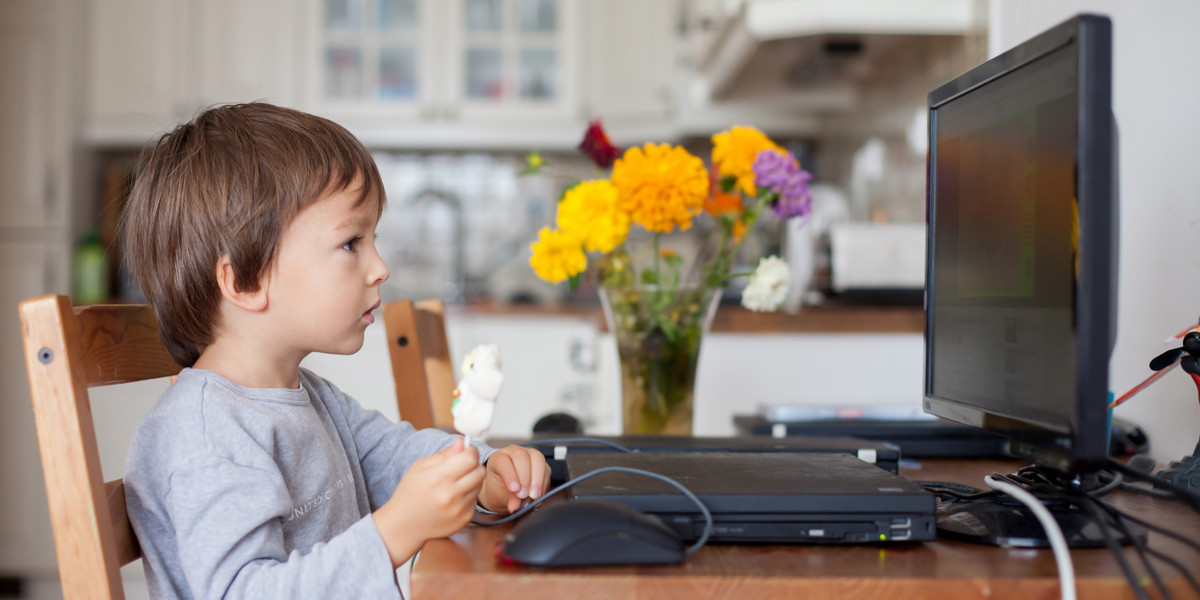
(249, 364)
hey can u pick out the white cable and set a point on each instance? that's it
(1062, 555)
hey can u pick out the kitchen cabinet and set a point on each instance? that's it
(632, 60)
(444, 60)
(37, 48)
(505, 74)
(153, 63)
(438, 60)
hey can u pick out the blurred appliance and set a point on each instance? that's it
(877, 257)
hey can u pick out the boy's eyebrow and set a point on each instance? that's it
(354, 222)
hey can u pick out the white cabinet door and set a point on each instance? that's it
(152, 64)
(631, 59)
(249, 51)
(512, 59)
(26, 544)
(138, 68)
(373, 58)
(25, 173)
(445, 61)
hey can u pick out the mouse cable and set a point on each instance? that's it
(1062, 556)
(579, 440)
(708, 520)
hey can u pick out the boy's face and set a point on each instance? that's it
(325, 282)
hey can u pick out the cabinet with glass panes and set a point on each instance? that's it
(445, 59)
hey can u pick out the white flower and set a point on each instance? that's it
(768, 286)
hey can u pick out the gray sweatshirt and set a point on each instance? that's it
(266, 493)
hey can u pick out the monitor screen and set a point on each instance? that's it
(1020, 289)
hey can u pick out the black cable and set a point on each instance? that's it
(1192, 499)
(708, 520)
(1045, 489)
(957, 491)
(1178, 567)
(1113, 547)
(1157, 528)
(1161, 531)
(579, 440)
(1150, 492)
(1135, 541)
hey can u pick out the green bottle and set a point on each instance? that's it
(90, 271)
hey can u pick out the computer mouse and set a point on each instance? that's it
(590, 532)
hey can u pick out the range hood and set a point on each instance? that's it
(764, 48)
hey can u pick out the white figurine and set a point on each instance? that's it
(475, 396)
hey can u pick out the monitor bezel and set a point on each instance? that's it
(1083, 445)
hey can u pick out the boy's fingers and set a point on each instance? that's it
(539, 474)
(519, 458)
(502, 466)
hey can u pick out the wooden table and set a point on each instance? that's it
(464, 566)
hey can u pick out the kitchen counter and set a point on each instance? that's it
(731, 318)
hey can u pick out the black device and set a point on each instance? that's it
(590, 532)
(556, 449)
(1022, 255)
(789, 497)
(924, 438)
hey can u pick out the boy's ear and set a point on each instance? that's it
(255, 301)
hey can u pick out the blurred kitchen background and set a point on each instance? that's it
(451, 94)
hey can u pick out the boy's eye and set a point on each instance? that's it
(351, 244)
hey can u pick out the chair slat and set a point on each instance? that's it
(66, 435)
(128, 548)
(121, 343)
(435, 356)
(420, 357)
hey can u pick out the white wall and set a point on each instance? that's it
(1156, 86)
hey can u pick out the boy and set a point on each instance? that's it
(251, 231)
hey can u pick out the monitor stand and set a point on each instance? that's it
(1002, 521)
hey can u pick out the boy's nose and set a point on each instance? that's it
(379, 271)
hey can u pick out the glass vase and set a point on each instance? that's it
(658, 331)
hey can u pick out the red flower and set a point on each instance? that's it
(597, 146)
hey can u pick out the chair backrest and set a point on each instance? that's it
(67, 350)
(421, 366)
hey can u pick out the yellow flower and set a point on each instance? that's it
(557, 256)
(589, 211)
(734, 152)
(660, 186)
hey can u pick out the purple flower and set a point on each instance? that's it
(781, 175)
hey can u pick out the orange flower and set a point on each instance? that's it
(734, 152)
(661, 186)
(720, 202)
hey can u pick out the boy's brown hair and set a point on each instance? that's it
(229, 183)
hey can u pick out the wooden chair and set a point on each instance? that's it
(421, 365)
(67, 350)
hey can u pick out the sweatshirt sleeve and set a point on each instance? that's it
(227, 519)
(386, 449)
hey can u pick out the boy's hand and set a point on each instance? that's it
(435, 498)
(514, 474)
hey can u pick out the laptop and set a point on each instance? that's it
(781, 497)
(882, 454)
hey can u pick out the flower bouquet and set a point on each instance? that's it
(657, 304)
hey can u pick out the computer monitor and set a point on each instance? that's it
(1021, 279)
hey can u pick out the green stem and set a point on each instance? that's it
(657, 273)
